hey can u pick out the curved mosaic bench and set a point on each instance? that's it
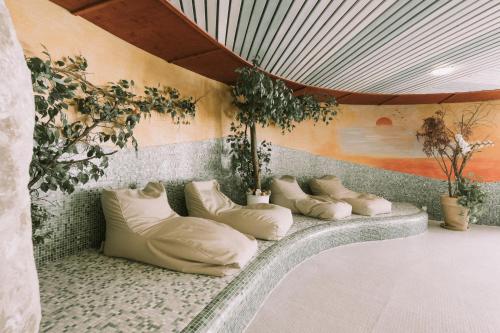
(234, 307)
(90, 292)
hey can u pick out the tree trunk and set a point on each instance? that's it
(449, 186)
(255, 158)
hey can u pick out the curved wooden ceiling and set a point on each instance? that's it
(157, 27)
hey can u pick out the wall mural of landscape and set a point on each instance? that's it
(385, 137)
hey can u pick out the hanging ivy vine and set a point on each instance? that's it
(78, 125)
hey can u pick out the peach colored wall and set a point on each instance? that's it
(41, 22)
(354, 136)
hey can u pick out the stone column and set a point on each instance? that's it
(19, 295)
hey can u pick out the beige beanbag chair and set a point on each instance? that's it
(264, 221)
(286, 192)
(140, 225)
(362, 203)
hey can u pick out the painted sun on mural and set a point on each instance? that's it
(384, 137)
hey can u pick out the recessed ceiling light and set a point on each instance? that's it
(443, 71)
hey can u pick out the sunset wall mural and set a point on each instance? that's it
(385, 137)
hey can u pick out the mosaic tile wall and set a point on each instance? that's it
(395, 186)
(79, 223)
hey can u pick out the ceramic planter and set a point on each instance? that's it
(456, 217)
(255, 199)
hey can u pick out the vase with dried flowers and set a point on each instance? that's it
(451, 145)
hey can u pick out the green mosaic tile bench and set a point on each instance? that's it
(88, 292)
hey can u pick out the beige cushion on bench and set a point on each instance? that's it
(362, 203)
(286, 192)
(140, 225)
(264, 221)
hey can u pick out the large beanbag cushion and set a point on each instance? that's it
(140, 225)
(264, 221)
(286, 192)
(362, 203)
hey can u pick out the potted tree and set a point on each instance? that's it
(451, 147)
(263, 101)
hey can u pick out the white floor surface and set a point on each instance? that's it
(440, 281)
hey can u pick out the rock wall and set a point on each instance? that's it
(19, 295)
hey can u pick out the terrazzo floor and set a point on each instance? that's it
(90, 292)
(438, 282)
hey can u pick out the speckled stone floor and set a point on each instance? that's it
(90, 292)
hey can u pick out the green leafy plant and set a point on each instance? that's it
(451, 147)
(472, 197)
(263, 101)
(75, 120)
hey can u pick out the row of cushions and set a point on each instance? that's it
(331, 200)
(216, 239)
(140, 225)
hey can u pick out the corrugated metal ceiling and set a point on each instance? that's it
(372, 46)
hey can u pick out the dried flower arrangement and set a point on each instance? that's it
(452, 148)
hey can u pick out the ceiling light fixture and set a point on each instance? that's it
(443, 71)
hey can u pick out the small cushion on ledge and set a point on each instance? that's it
(140, 225)
(362, 203)
(265, 221)
(286, 192)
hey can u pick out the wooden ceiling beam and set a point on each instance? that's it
(194, 56)
(446, 98)
(157, 27)
(92, 7)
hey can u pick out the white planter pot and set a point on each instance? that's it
(255, 199)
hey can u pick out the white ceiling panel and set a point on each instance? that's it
(370, 46)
